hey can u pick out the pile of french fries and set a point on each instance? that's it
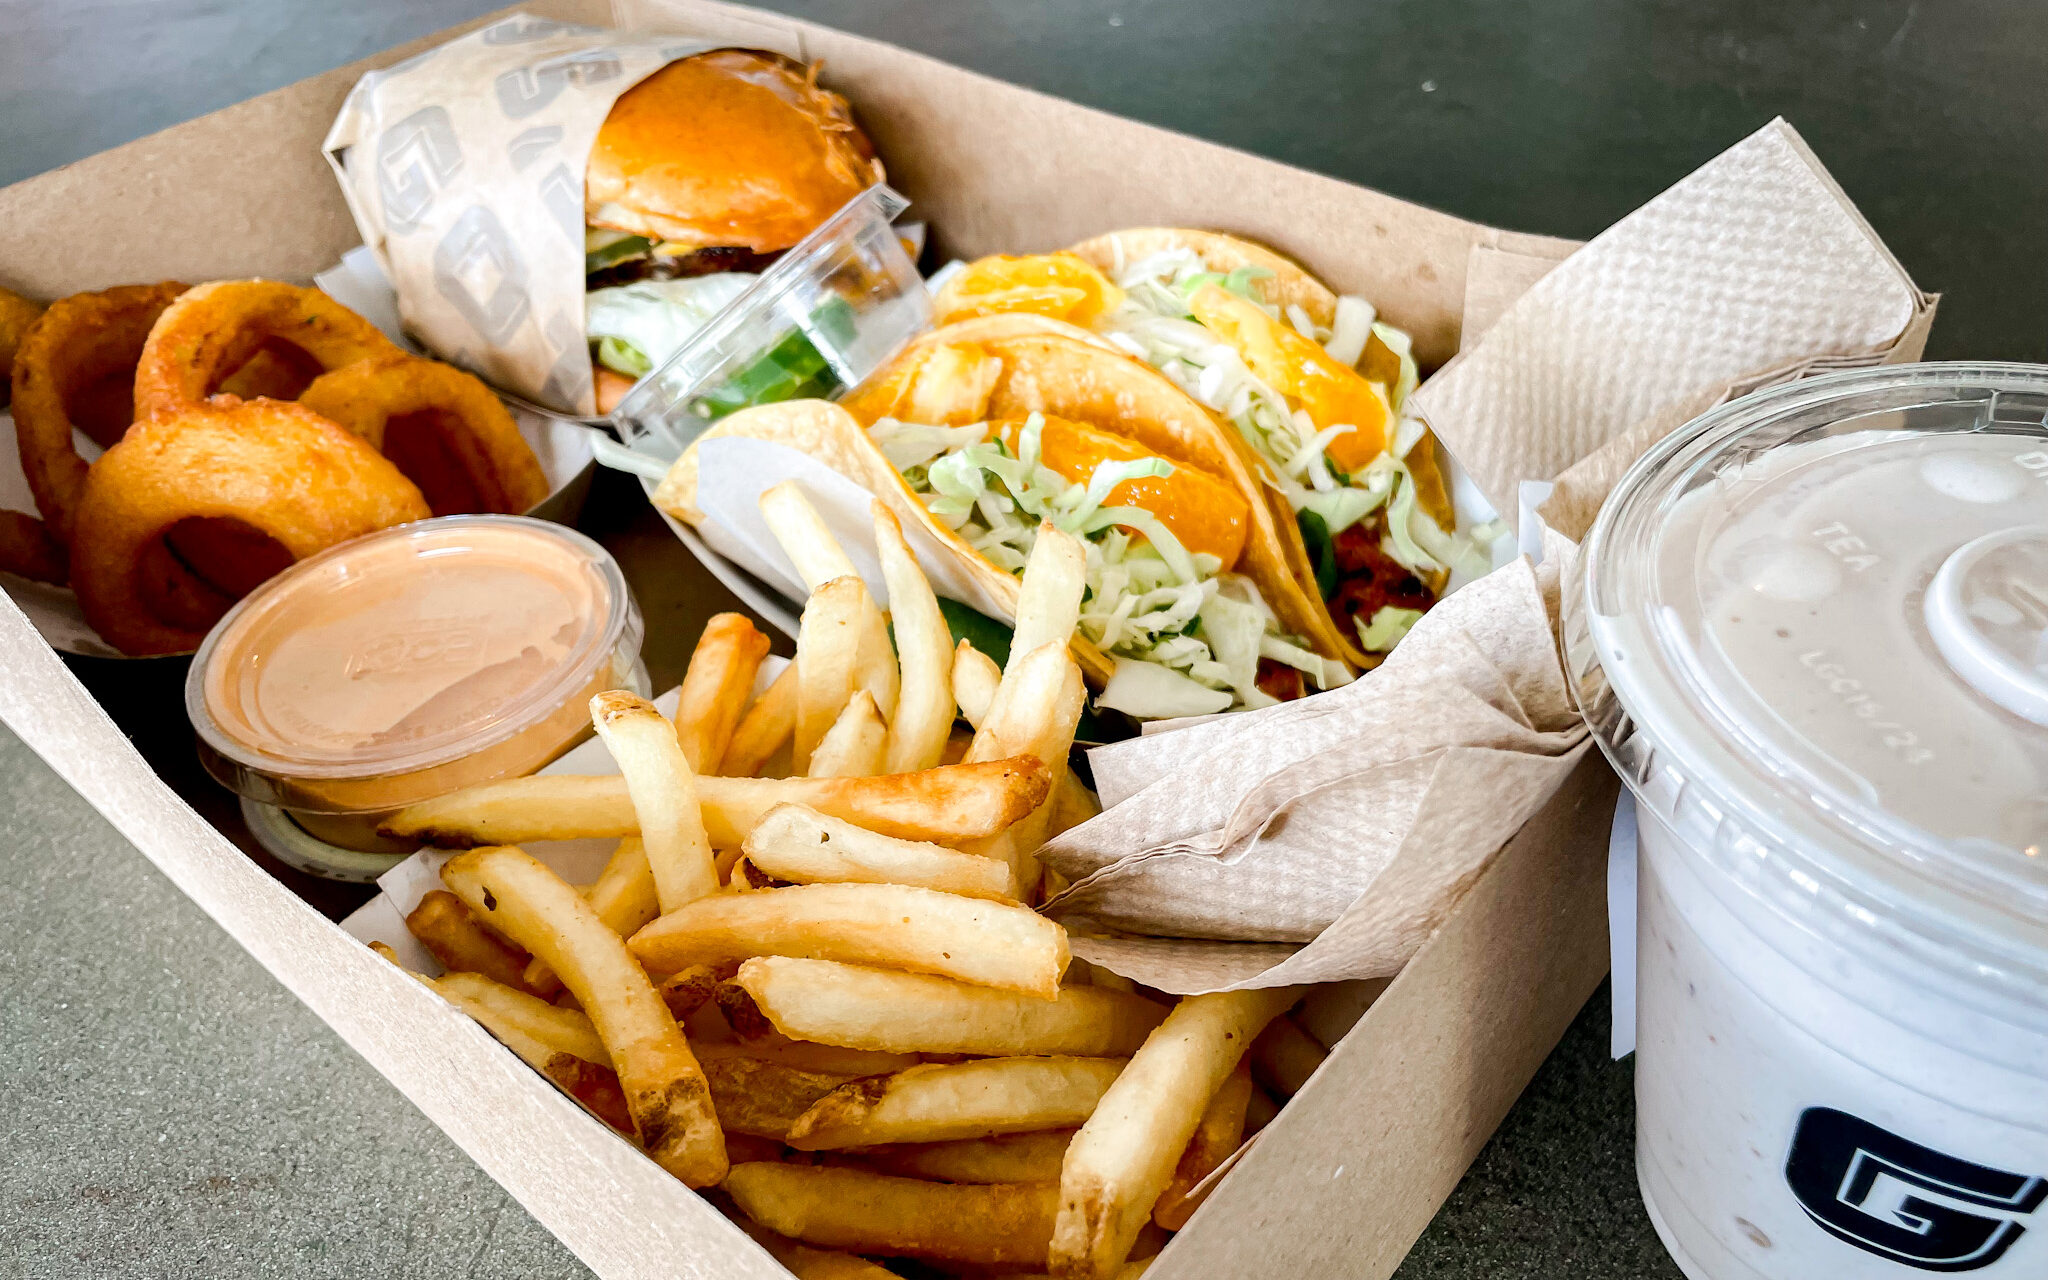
(811, 976)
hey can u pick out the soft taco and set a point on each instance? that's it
(1308, 384)
(982, 430)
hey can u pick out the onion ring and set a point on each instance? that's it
(84, 348)
(28, 550)
(215, 329)
(16, 315)
(277, 468)
(431, 419)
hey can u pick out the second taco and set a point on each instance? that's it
(1311, 385)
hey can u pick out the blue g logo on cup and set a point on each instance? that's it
(1902, 1201)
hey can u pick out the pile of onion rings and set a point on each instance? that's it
(16, 315)
(215, 329)
(79, 358)
(445, 429)
(213, 480)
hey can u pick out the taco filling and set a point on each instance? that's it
(1321, 406)
(1187, 635)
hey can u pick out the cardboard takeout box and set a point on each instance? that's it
(1357, 1164)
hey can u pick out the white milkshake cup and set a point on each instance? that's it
(1810, 630)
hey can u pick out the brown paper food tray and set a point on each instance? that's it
(1356, 1165)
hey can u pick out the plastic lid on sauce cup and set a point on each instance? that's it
(412, 662)
(1812, 635)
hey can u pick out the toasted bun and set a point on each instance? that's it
(731, 147)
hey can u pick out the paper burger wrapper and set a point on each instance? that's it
(1754, 269)
(463, 168)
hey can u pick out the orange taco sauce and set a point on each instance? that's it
(409, 664)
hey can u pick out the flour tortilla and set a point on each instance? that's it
(1047, 367)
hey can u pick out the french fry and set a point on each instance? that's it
(811, 547)
(715, 688)
(664, 796)
(665, 1090)
(1284, 1057)
(1219, 1134)
(973, 940)
(690, 988)
(623, 895)
(853, 747)
(806, 1263)
(1098, 976)
(742, 1016)
(975, 678)
(940, 1102)
(768, 724)
(804, 846)
(924, 648)
(1034, 712)
(759, 1096)
(535, 1031)
(824, 1058)
(1010, 1157)
(1072, 804)
(949, 804)
(596, 1087)
(862, 1212)
(862, 1008)
(1125, 1155)
(1260, 1111)
(827, 640)
(507, 1009)
(1038, 704)
(727, 860)
(623, 898)
(1049, 601)
(745, 1148)
(801, 532)
(452, 935)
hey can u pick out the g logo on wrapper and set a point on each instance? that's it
(523, 91)
(415, 159)
(1902, 1201)
(481, 275)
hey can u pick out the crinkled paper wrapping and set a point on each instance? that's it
(1350, 822)
(1325, 839)
(1754, 269)
(464, 167)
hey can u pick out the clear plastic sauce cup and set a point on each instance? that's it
(831, 311)
(408, 664)
(1811, 631)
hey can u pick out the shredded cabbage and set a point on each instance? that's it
(1389, 626)
(1354, 325)
(1150, 602)
(637, 326)
(1152, 692)
(1154, 324)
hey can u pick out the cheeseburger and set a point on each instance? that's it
(702, 175)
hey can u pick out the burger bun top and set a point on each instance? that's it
(733, 147)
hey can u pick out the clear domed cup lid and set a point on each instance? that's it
(1822, 612)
